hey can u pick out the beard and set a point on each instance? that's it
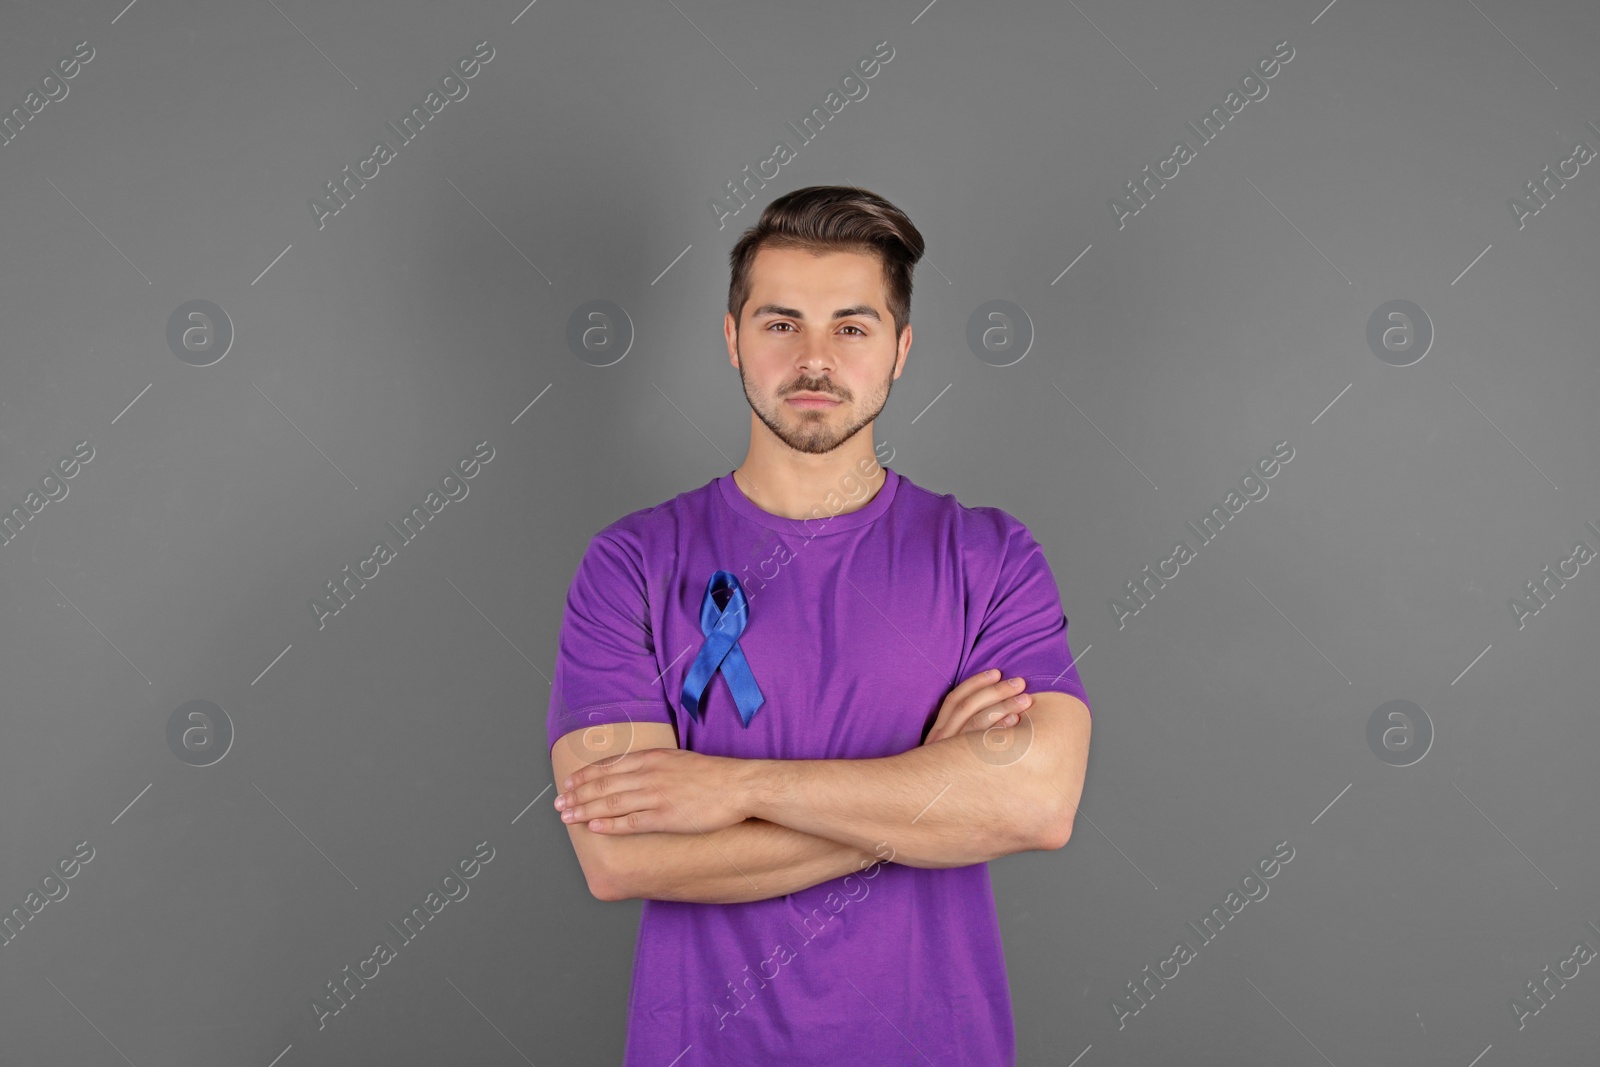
(814, 431)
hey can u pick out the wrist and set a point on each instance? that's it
(759, 783)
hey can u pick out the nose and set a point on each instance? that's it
(815, 365)
(815, 361)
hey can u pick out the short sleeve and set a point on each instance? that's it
(1024, 630)
(606, 667)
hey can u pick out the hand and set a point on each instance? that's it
(983, 702)
(667, 790)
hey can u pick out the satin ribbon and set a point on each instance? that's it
(721, 652)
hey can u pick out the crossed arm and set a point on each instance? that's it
(687, 826)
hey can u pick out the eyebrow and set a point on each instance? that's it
(863, 310)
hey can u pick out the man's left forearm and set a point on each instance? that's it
(938, 805)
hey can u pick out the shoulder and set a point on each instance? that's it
(639, 532)
(641, 550)
(982, 527)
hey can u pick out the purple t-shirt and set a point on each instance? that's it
(858, 625)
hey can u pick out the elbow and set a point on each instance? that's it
(610, 892)
(1056, 835)
(607, 884)
(1056, 830)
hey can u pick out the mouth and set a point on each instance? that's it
(813, 401)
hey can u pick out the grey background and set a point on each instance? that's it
(431, 313)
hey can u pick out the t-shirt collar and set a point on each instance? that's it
(821, 520)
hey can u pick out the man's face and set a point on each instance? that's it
(816, 324)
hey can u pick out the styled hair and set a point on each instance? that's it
(832, 218)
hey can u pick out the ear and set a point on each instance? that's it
(730, 335)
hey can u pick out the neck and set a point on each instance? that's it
(808, 485)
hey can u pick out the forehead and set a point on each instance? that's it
(795, 274)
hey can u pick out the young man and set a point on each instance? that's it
(773, 715)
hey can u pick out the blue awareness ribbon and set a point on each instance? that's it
(722, 627)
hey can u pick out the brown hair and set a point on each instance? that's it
(832, 218)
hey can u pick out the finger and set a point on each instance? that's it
(637, 822)
(1002, 696)
(974, 722)
(981, 723)
(598, 789)
(602, 798)
(982, 678)
(611, 806)
(993, 687)
(600, 769)
(983, 708)
(993, 694)
(942, 726)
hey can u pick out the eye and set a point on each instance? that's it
(777, 324)
(857, 329)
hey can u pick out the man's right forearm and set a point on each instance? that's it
(750, 860)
